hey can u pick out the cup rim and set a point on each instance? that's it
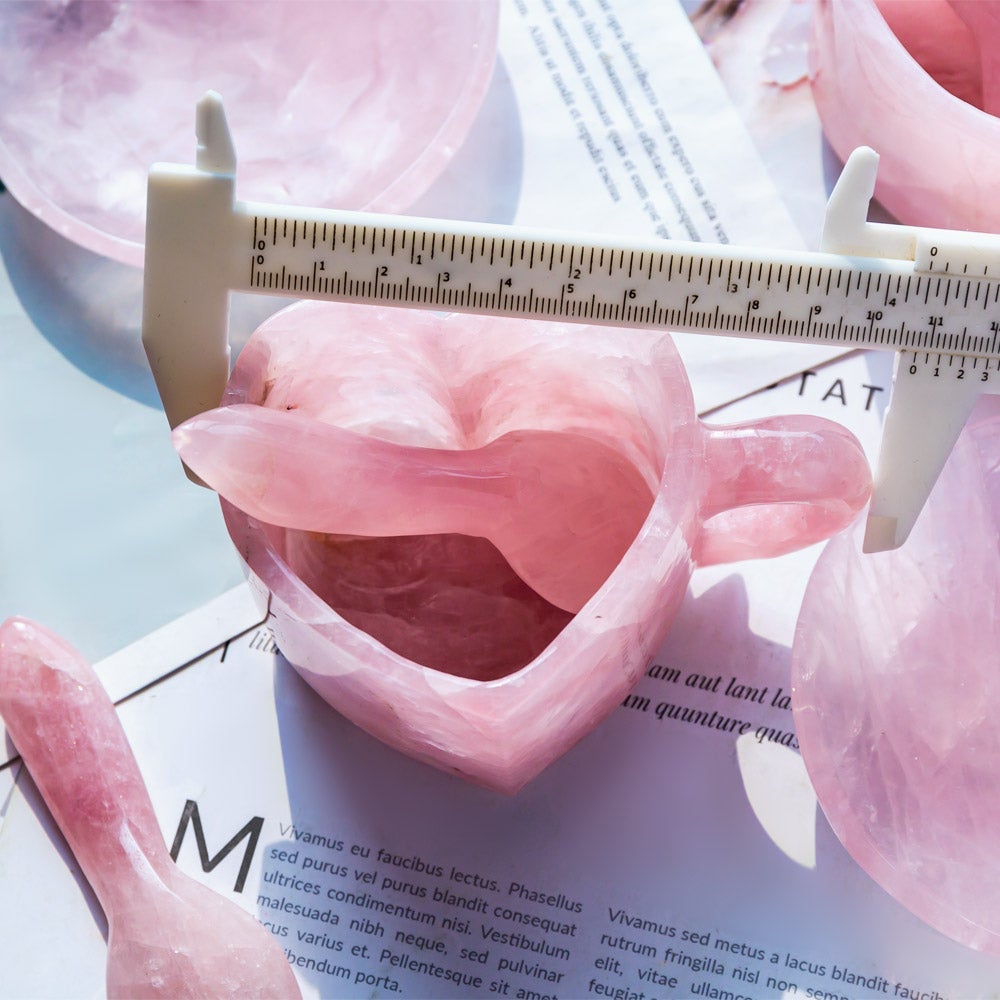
(910, 169)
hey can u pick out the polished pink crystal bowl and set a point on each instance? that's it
(896, 695)
(939, 163)
(340, 103)
(475, 531)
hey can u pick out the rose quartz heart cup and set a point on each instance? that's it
(475, 531)
(896, 694)
(918, 81)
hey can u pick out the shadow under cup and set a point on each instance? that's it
(541, 676)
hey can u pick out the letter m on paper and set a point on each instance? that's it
(250, 832)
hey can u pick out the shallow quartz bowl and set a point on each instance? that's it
(896, 695)
(714, 494)
(327, 105)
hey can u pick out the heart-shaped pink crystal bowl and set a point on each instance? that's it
(538, 494)
(341, 103)
(896, 695)
(938, 164)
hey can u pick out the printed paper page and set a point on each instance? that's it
(676, 851)
(627, 130)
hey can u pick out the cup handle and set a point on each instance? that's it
(778, 484)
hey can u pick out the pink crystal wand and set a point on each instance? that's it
(168, 935)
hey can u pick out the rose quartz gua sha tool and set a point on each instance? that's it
(932, 296)
(168, 935)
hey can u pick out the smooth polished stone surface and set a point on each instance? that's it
(326, 103)
(390, 474)
(936, 36)
(896, 694)
(938, 162)
(168, 936)
(561, 507)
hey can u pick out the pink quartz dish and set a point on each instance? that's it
(341, 103)
(919, 81)
(168, 935)
(896, 695)
(476, 531)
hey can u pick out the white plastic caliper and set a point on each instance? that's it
(932, 296)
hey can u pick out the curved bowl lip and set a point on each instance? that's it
(871, 24)
(867, 25)
(675, 508)
(396, 196)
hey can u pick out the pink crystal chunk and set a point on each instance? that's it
(168, 936)
(475, 531)
(328, 100)
(939, 166)
(896, 695)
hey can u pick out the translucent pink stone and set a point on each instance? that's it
(934, 34)
(168, 936)
(560, 507)
(475, 531)
(896, 693)
(344, 103)
(939, 165)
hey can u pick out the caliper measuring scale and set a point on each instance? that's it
(931, 296)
